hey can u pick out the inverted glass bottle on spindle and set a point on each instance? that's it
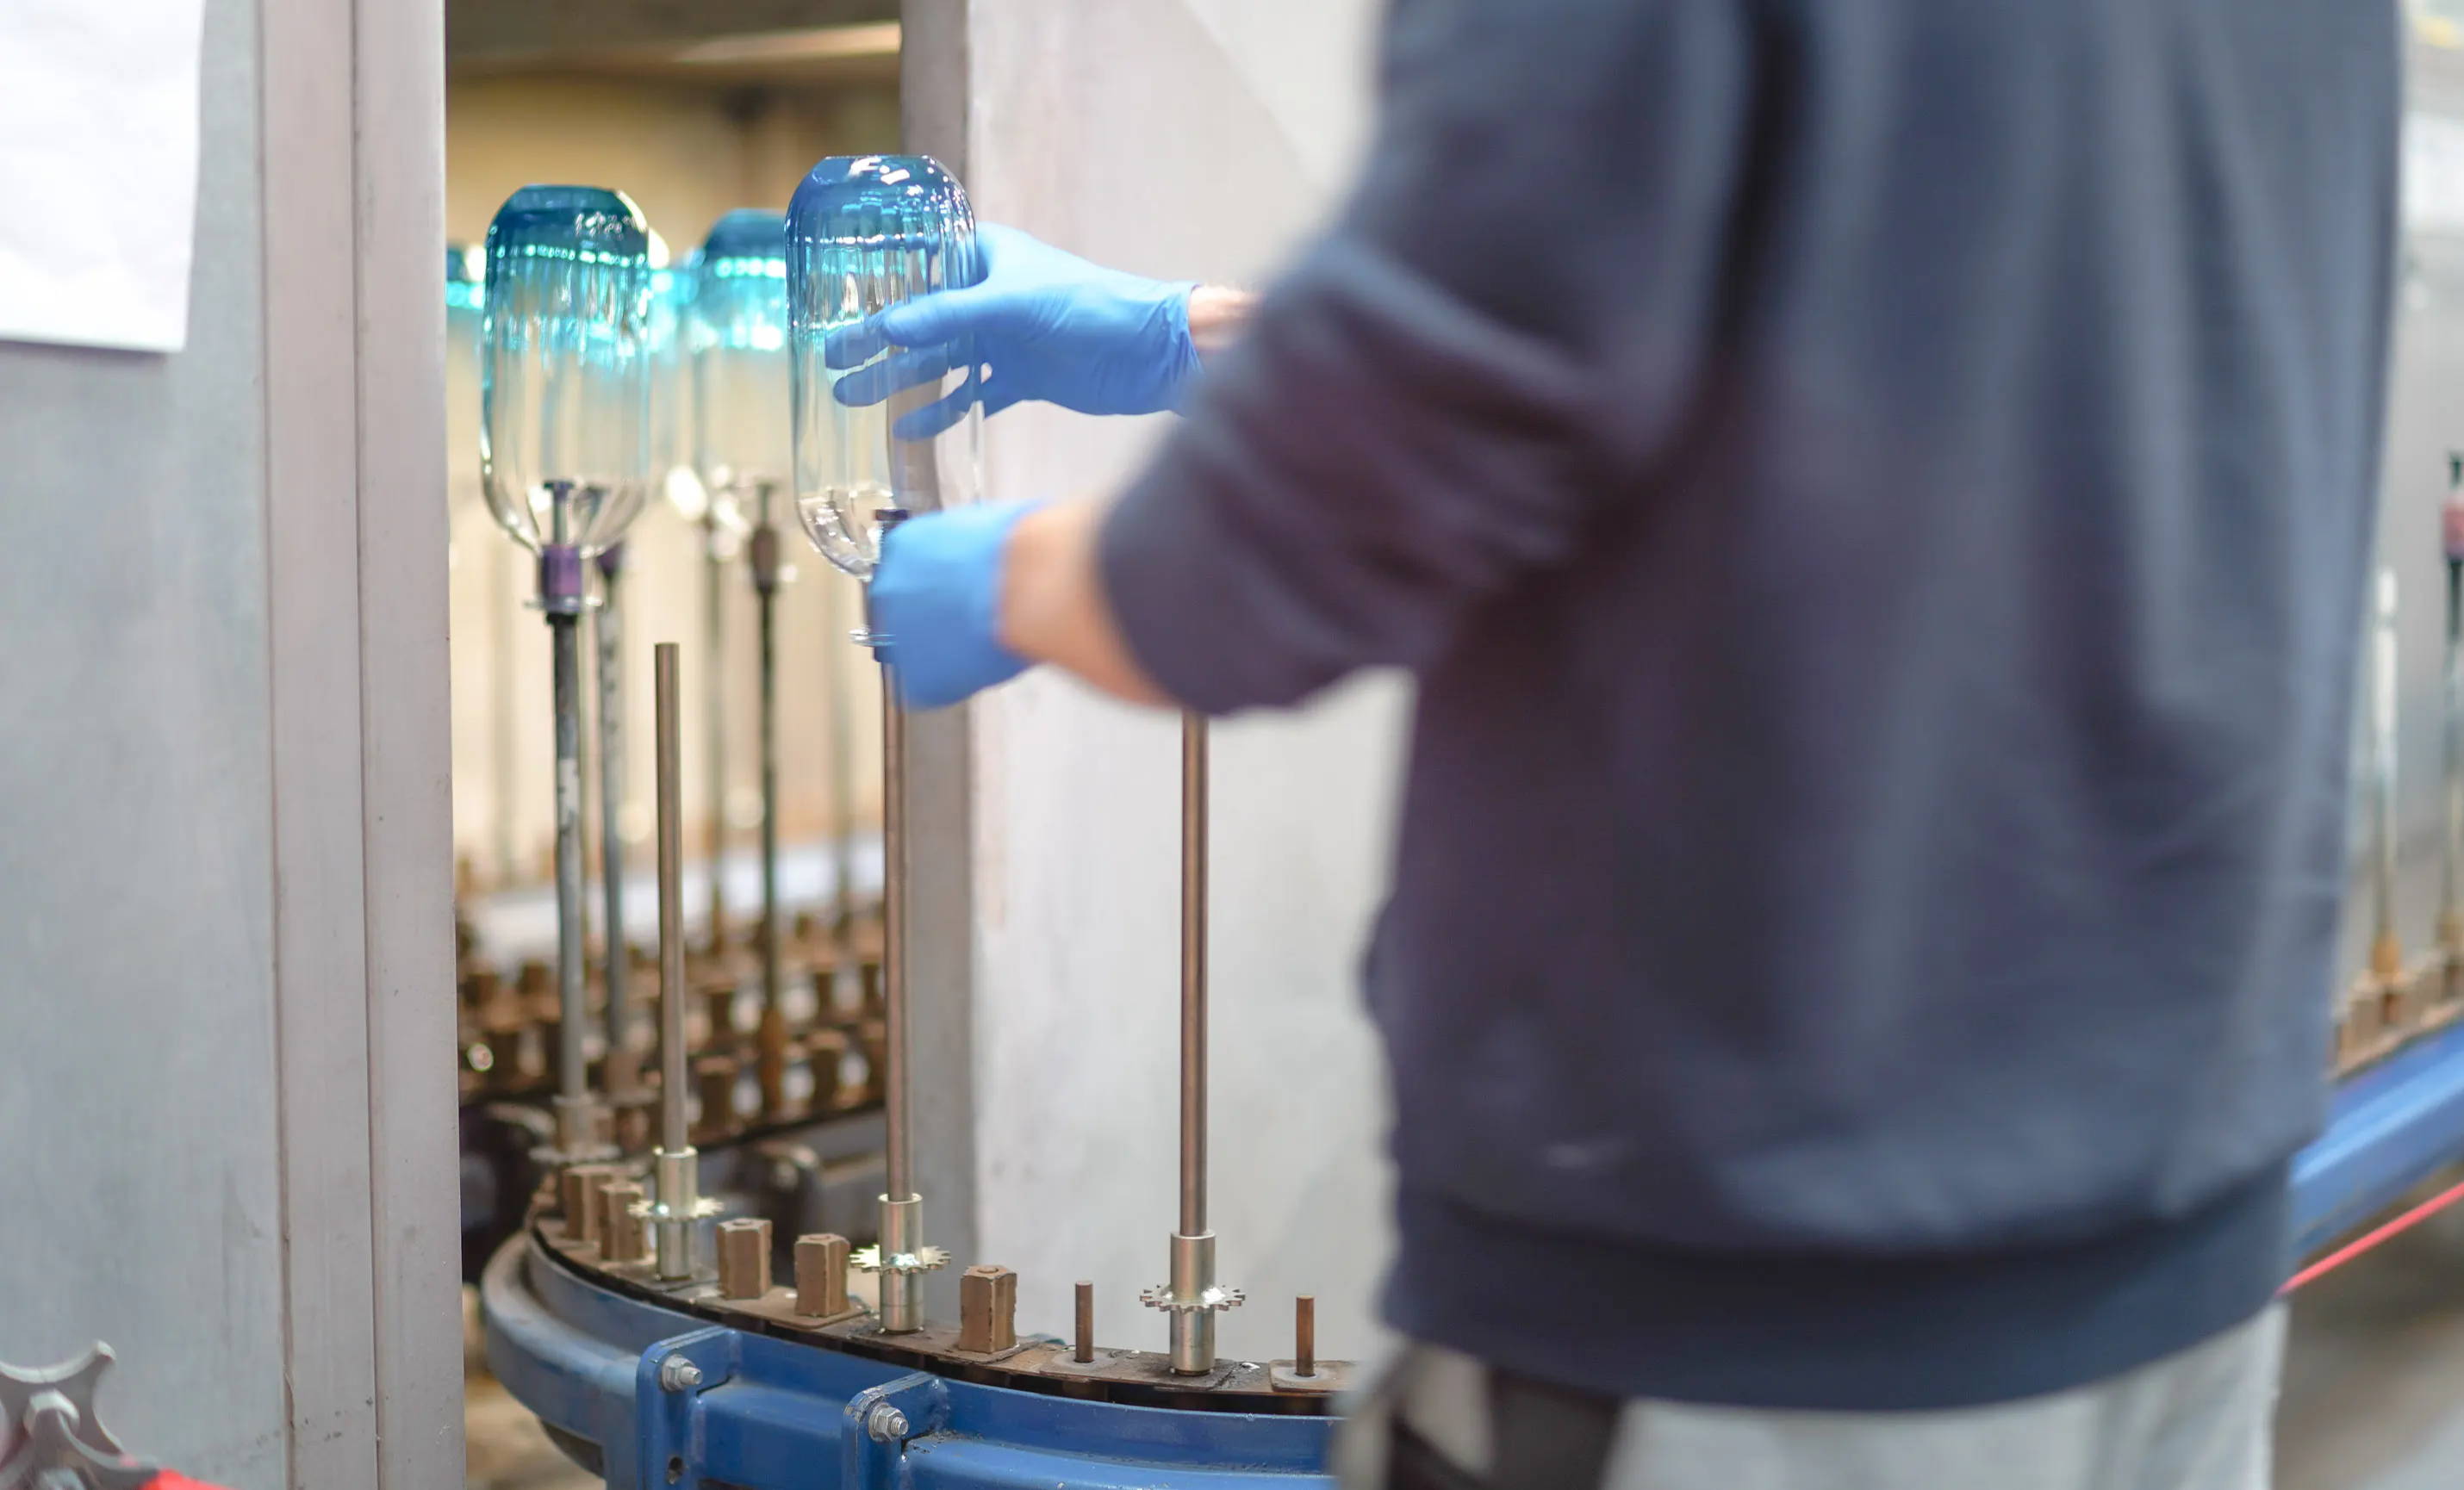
(865, 232)
(881, 432)
(741, 449)
(564, 451)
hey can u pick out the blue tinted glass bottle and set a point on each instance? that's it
(862, 233)
(566, 366)
(739, 358)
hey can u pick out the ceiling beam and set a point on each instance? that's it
(504, 35)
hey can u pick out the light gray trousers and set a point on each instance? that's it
(2194, 1421)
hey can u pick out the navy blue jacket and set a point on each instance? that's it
(1876, 494)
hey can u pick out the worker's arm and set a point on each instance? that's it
(1412, 421)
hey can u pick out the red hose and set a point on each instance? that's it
(2353, 1249)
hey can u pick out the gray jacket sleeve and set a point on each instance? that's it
(1502, 329)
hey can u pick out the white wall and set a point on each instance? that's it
(1190, 139)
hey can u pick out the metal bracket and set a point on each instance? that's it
(51, 1438)
(668, 1385)
(880, 1422)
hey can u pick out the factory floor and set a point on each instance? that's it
(2373, 1383)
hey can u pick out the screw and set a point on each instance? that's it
(678, 1374)
(885, 1424)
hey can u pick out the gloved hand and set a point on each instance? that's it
(1050, 326)
(937, 596)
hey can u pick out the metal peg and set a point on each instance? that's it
(622, 1238)
(987, 1309)
(743, 1259)
(822, 1274)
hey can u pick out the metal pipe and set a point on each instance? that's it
(611, 634)
(770, 1069)
(1193, 974)
(673, 1132)
(714, 711)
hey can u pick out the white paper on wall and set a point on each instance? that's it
(97, 171)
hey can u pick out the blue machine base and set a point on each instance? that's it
(778, 1414)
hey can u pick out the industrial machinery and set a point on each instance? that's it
(671, 1328)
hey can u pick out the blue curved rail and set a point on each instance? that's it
(776, 1414)
(2392, 1126)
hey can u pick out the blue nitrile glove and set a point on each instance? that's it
(1048, 324)
(937, 596)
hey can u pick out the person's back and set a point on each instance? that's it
(1885, 593)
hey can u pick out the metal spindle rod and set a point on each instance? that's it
(561, 596)
(676, 1206)
(1083, 1339)
(1193, 976)
(673, 1132)
(897, 1156)
(842, 746)
(2451, 902)
(2387, 956)
(609, 630)
(503, 747)
(771, 1065)
(1193, 1298)
(715, 714)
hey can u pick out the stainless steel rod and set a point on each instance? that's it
(611, 634)
(1193, 974)
(505, 748)
(772, 1064)
(2451, 912)
(715, 715)
(674, 1136)
(836, 707)
(898, 1157)
(572, 1074)
(2386, 956)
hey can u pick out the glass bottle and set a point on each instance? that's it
(865, 232)
(740, 358)
(566, 366)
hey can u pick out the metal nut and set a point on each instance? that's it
(885, 1424)
(678, 1374)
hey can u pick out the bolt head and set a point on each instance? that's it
(886, 1423)
(678, 1374)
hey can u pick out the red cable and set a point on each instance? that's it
(2351, 1250)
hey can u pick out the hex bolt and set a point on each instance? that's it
(885, 1424)
(987, 1308)
(743, 1259)
(1304, 1335)
(822, 1274)
(678, 1374)
(1084, 1351)
(623, 1237)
